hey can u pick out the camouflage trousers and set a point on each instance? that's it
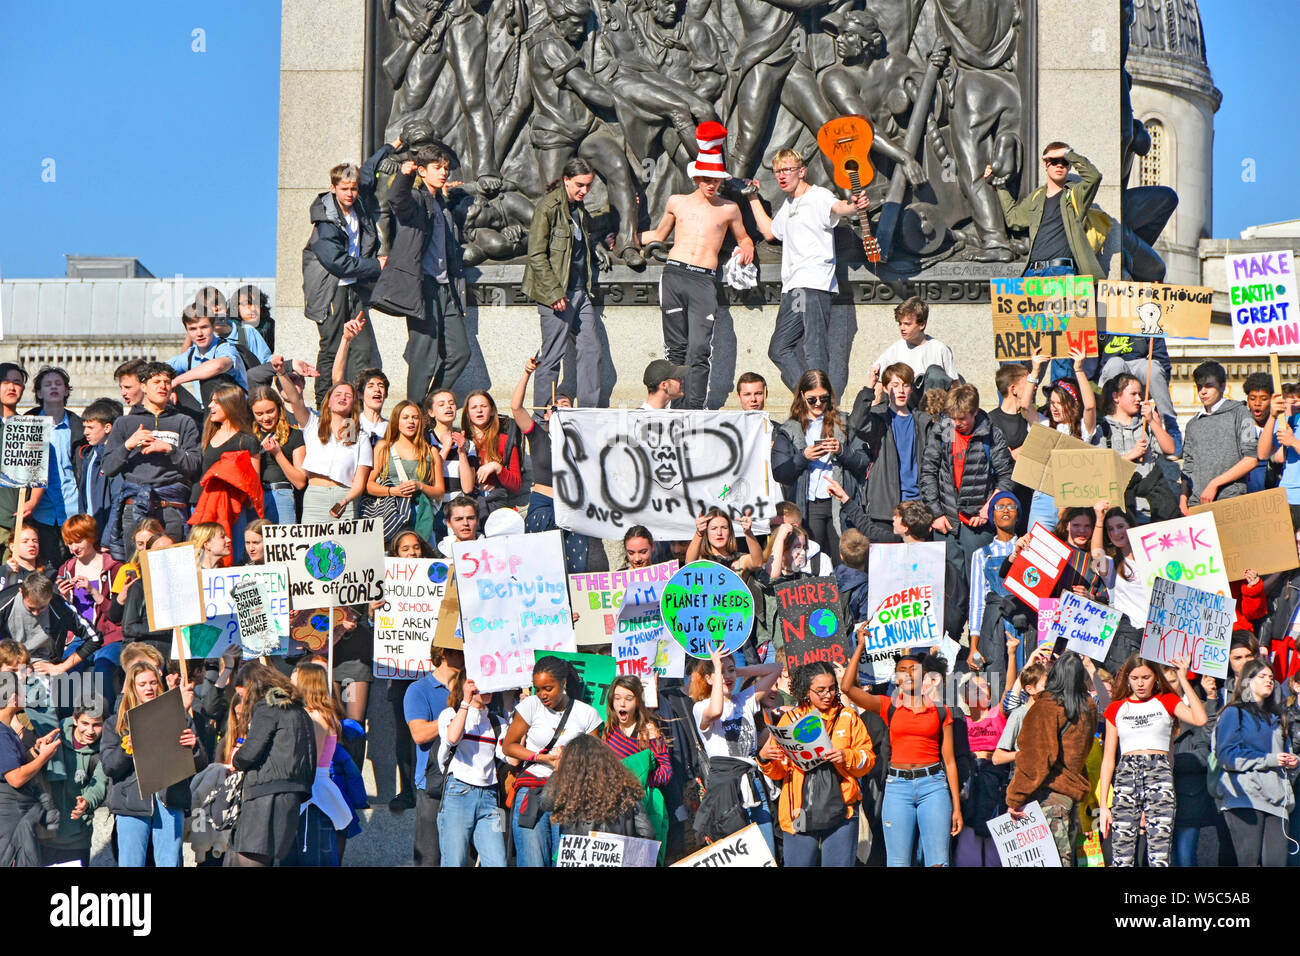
(1143, 784)
(1063, 821)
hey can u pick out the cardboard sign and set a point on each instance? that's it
(172, 587)
(596, 671)
(447, 633)
(514, 601)
(743, 848)
(1255, 531)
(905, 594)
(1038, 566)
(25, 451)
(160, 759)
(1083, 476)
(414, 589)
(1180, 549)
(1033, 467)
(598, 597)
(1088, 627)
(813, 619)
(705, 605)
(1026, 842)
(805, 741)
(1187, 622)
(1052, 313)
(334, 563)
(1153, 308)
(221, 628)
(615, 468)
(1262, 301)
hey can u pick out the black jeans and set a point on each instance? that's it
(426, 825)
(800, 337)
(1256, 836)
(819, 519)
(403, 745)
(363, 351)
(437, 346)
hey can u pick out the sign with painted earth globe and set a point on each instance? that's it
(325, 560)
(707, 605)
(437, 572)
(823, 623)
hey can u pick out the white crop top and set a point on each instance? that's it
(1144, 724)
(333, 460)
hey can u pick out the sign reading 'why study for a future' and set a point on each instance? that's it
(1262, 301)
(707, 605)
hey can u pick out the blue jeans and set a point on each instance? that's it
(1186, 840)
(835, 847)
(105, 663)
(278, 503)
(535, 847)
(470, 811)
(924, 803)
(133, 833)
(1042, 509)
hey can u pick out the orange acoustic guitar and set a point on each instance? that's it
(846, 141)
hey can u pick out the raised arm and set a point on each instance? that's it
(338, 372)
(864, 699)
(292, 394)
(519, 396)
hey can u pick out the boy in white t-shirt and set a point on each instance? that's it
(930, 359)
(805, 225)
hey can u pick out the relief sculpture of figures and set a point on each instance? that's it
(517, 87)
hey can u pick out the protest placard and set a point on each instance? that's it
(414, 589)
(743, 848)
(706, 604)
(172, 587)
(1262, 301)
(220, 628)
(1088, 627)
(333, 563)
(597, 598)
(1038, 566)
(813, 620)
(1083, 476)
(25, 451)
(447, 633)
(578, 850)
(514, 601)
(1052, 313)
(1188, 623)
(616, 468)
(596, 671)
(1026, 842)
(257, 634)
(636, 851)
(805, 741)
(155, 728)
(1153, 308)
(1033, 467)
(1046, 619)
(1180, 549)
(1255, 531)
(905, 594)
(671, 659)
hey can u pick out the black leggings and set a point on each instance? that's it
(819, 521)
(1256, 836)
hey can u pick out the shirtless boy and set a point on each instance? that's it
(688, 290)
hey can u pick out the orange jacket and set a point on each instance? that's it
(229, 484)
(849, 734)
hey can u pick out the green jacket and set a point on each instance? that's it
(1028, 214)
(550, 249)
(62, 772)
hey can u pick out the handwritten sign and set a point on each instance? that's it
(221, 627)
(414, 589)
(1180, 549)
(172, 587)
(615, 468)
(578, 850)
(1052, 313)
(1153, 308)
(1046, 621)
(257, 632)
(743, 848)
(1262, 301)
(707, 605)
(1083, 476)
(598, 597)
(1088, 627)
(25, 451)
(1255, 531)
(514, 601)
(1033, 467)
(1026, 842)
(813, 621)
(333, 563)
(805, 741)
(1038, 566)
(905, 594)
(1188, 623)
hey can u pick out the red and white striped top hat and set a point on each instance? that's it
(709, 137)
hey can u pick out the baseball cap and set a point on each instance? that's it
(660, 370)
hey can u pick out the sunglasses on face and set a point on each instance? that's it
(817, 400)
(1057, 161)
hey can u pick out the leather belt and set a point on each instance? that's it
(930, 771)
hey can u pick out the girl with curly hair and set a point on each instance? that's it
(592, 790)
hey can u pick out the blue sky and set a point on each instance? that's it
(169, 154)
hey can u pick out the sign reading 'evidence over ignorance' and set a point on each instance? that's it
(616, 468)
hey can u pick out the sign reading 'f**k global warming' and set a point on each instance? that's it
(1262, 301)
(1181, 549)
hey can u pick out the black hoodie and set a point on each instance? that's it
(179, 466)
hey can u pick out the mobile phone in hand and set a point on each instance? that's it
(337, 510)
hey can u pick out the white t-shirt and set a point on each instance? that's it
(930, 352)
(804, 226)
(333, 460)
(543, 721)
(475, 760)
(375, 430)
(1128, 594)
(734, 734)
(819, 469)
(353, 225)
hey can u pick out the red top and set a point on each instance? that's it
(915, 738)
(510, 477)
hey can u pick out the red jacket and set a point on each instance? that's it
(229, 485)
(1252, 606)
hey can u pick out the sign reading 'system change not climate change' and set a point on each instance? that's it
(707, 605)
(1054, 313)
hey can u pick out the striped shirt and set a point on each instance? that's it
(984, 577)
(626, 746)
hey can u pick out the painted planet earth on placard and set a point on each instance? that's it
(806, 730)
(707, 604)
(325, 560)
(437, 573)
(823, 623)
